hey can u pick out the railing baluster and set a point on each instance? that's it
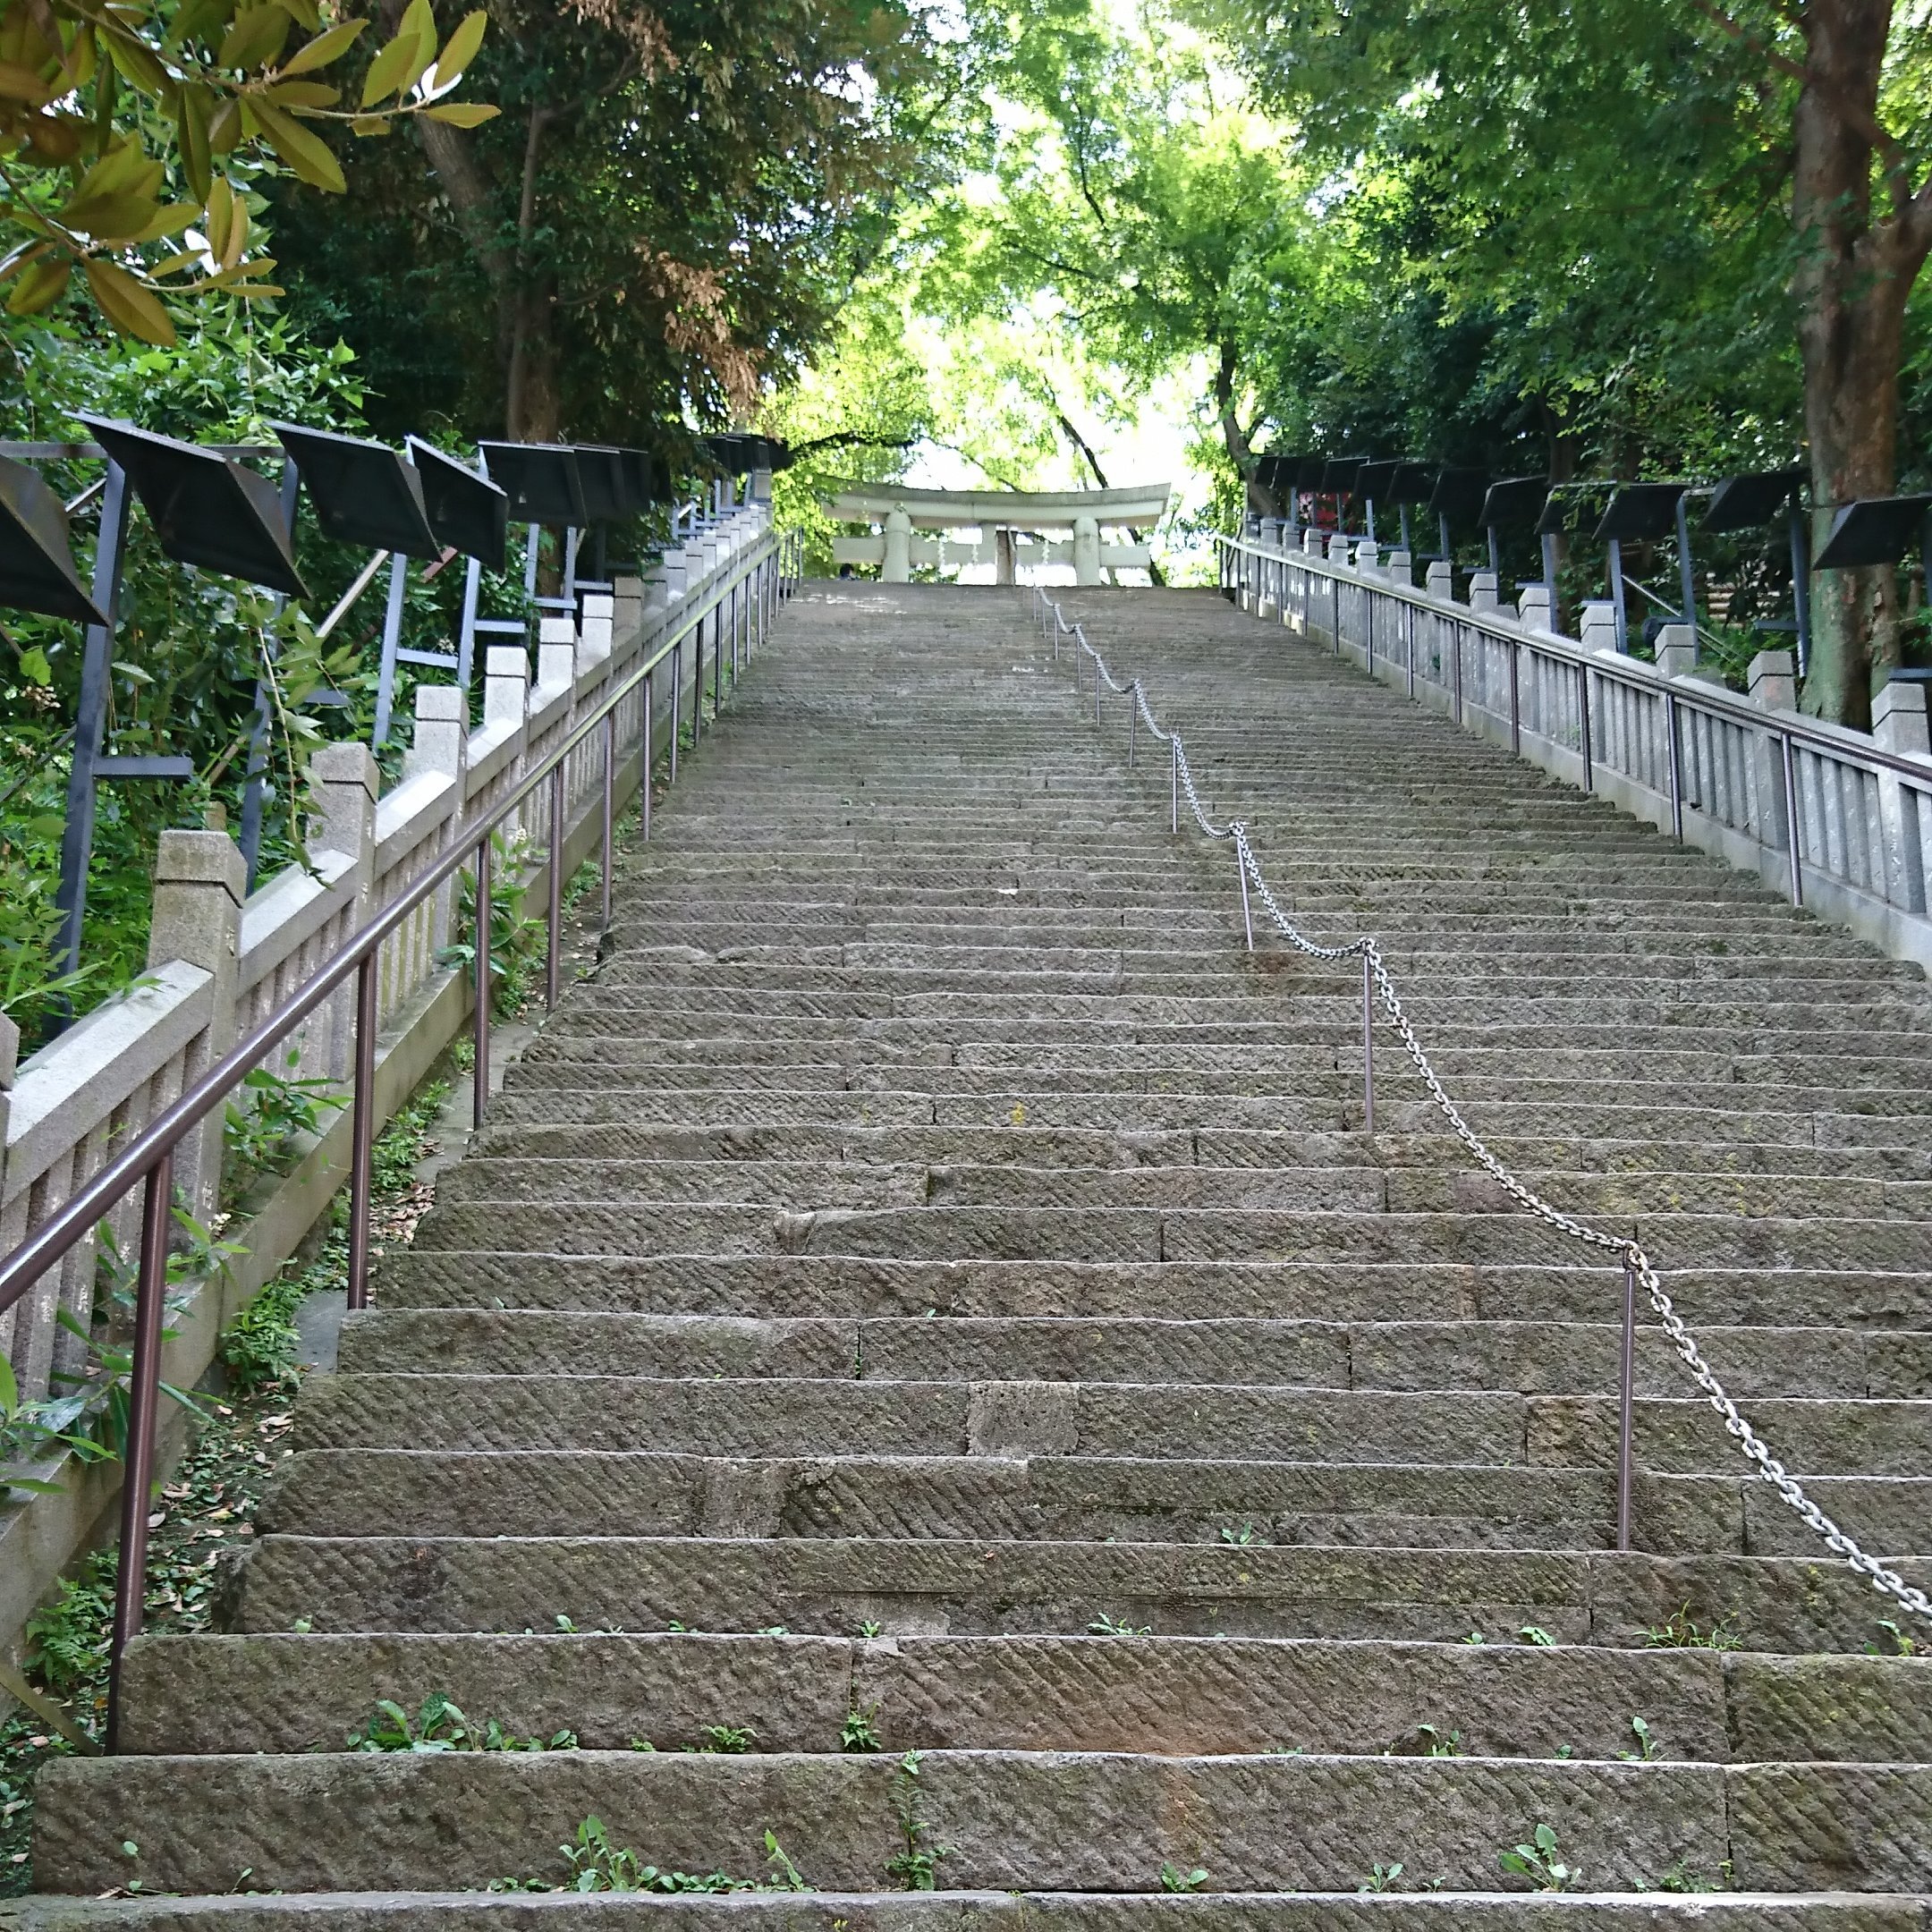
(610, 800)
(481, 1019)
(553, 948)
(362, 1132)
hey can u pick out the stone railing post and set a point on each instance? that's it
(1676, 650)
(1533, 611)
(1773, 682)
(1597, 628)
(441, 746)
(1401, 568)
(342, 784)
(1311, 543)
(200, 880)
(1899, 724)
(1482, 592)
(556, 652)
(1439, 580)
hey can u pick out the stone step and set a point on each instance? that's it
(1166, 1697)
(948, 1910)
(773, 1415)
(458, 1493)
(1061, 1820)
(1419, 1355)
(1332, 1289)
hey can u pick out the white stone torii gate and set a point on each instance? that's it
(1008, 514)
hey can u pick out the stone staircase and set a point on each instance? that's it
(931, 1290)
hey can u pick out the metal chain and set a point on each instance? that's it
(1750, 1444)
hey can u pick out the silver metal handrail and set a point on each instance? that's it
(770, 567)
(1637, 1265)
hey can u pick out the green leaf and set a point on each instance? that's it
(36, 670)
(308, 154)
(192, 108)
(9, 1383)
(255, 38)
(109, 218)
(323, 48)
(462, 114)
(297, 95)
(139, 68)
(41, 285)
(305, 13)
(461, 49)
(132, 309)
(393, 69)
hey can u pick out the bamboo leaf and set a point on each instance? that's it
(132, 309)
(323, 48)
(462, 114)
(461, 49)
(307, 152)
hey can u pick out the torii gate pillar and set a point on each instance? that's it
(1005, 571)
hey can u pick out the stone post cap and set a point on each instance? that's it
(1439, 580)
(9, 1053)
(1899, 720)
(1533, 608)
(441, 704)
(897, 519)
(185, 858)
(354, 764)
(600, 603)
(1773, 680)
(1676, 649)
(507, 661)
(557, 630)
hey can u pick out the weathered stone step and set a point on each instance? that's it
(1487, 1231)
(1731, 1150)
(1369, 1289)
(1422, 1355)
(546, 1492)
(773, 1415)
(508, 1180)
(948, 1910)
(1071, 1820)
(1168, 1697)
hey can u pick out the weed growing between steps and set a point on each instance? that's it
(594, 1864)
(208, 1504)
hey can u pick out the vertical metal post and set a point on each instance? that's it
(362, 1131)
(644, 789)
(1791, 818)
(1240, 872)
(466, 634)
(1412, 650)
(255, 778)
(1097, 690)
(610, 798)
(1368, 1045)
(1515, 697)
(1626, 1392)
(1133, 719)
(391, 638)
(1616, 595)
(720, 623)
(1174, 801)
(1801, 556)
(1458, 630)
(144, 1390)
(697, 684)
(1687, 571)
(90, 721)
(677, 666)
(1676, 780)
(553, 948)
(479, 1020)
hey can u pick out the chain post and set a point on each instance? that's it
(1240, 872)
(644, 789)
(1676, 768)
(1173, 795)
(1791, 818)
(1626, 1389)
(144, 1394)
(1367, 1041)
(610, 796)
(677, 705)
(1133, 719)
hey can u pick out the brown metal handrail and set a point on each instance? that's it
(771, 566)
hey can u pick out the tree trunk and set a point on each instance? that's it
(1853, 277)
(1234, 438)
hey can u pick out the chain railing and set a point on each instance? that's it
(1639, 1271)
(733, 617)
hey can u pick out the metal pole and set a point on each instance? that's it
(1801, 556)
(362, 1134)
(1790, 819)
(144, 1390)
(1515, 700)
(1412, 650)
(1459, 674)
(552, 949)
(1676, 780)
(391, 638)
(1616, 595)
(1368, 1045)
(1686, 570)
(720, 623)
(610, 793)
(1626, 1388)
(1173, 802)
(1133, 719)
(697, 684)
(1240, 872)
(1583, 725)
(1097, 690)
(644, 789)
(481, 1019)
(677, 670)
